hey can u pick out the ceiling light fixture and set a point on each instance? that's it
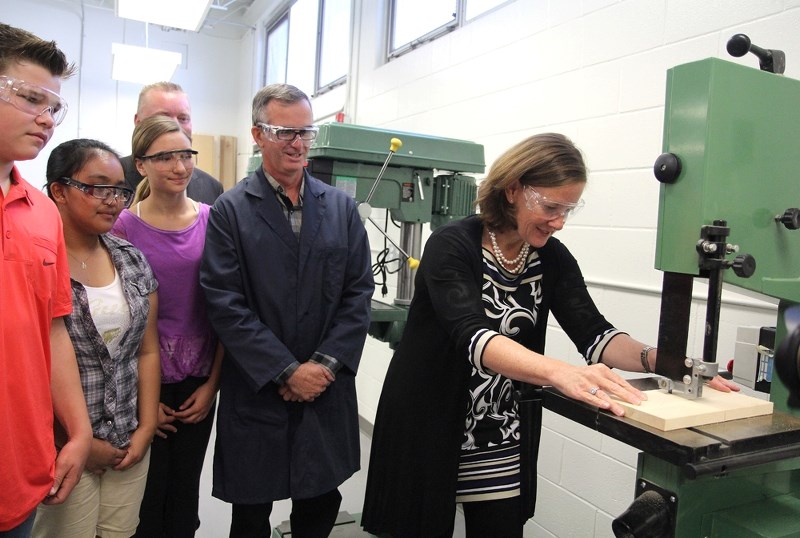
(142, 65)
(184, 14)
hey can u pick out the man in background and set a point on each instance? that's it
(169, 99)
(38, 370)
(287, 277)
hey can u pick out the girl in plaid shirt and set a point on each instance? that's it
(113, 331)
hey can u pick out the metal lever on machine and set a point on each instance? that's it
(419, 186)
(770, 60)
(365, 210)
(413, 263)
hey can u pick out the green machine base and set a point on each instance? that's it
(761, 501)
(732, 479)
(387, 322)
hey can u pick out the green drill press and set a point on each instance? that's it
(417, 178)
(728, 212)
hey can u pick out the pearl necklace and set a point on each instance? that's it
(520, 260)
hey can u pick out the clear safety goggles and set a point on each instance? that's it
(32, 98)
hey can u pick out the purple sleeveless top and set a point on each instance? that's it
(185, 335)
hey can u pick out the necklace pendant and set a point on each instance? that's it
(83, 265)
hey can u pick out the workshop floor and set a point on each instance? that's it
(215, 515)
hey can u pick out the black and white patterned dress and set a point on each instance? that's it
(489, 463)
(445, 424)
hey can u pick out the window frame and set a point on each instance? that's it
(321, 88)
(269, 29)
(414, 43)
(459, 20)
(285, 15)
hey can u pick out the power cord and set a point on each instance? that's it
(381, 268)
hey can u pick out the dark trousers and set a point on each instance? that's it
(169, 506)
(500, 519)
(310, 518)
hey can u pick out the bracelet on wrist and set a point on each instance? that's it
(645, 363)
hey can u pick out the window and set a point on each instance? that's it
(302, 45)
(277, 51)
(479, 7)
(416, 19)
(309, 46)
(334, 56)
(414, 22)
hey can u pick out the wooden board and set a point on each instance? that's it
(227, 161)
(666, 411)
(207, 159)
(217, 156)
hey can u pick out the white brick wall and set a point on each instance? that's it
(596, 71)
(593, 69)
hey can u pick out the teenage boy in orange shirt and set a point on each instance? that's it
(38, 371)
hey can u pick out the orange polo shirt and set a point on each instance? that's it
(34, 289)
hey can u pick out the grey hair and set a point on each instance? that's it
(285, 93)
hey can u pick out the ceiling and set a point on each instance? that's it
(227, 14)
(226, 18)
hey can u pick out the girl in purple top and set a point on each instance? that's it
(169, 228)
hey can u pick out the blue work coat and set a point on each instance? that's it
(272, 300)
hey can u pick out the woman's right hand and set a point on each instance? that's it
(595, 384)
(103, 455)
(166, 416)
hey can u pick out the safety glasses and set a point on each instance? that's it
(32, 98)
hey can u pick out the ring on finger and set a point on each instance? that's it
(593, 390)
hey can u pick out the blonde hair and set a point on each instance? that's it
(163, 86)
(145, 134)
(542, 160)
(142, 191)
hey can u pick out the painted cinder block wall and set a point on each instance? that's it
(596, 71)
(102, 108)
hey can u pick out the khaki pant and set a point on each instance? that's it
(104, 505)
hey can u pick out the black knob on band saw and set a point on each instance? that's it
(667, 168)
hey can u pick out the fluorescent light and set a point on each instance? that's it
(185, 14)
(143, 65)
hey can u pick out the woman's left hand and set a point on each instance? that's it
(723, 385)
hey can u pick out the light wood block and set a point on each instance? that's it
(666, 411)
(217, 156)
